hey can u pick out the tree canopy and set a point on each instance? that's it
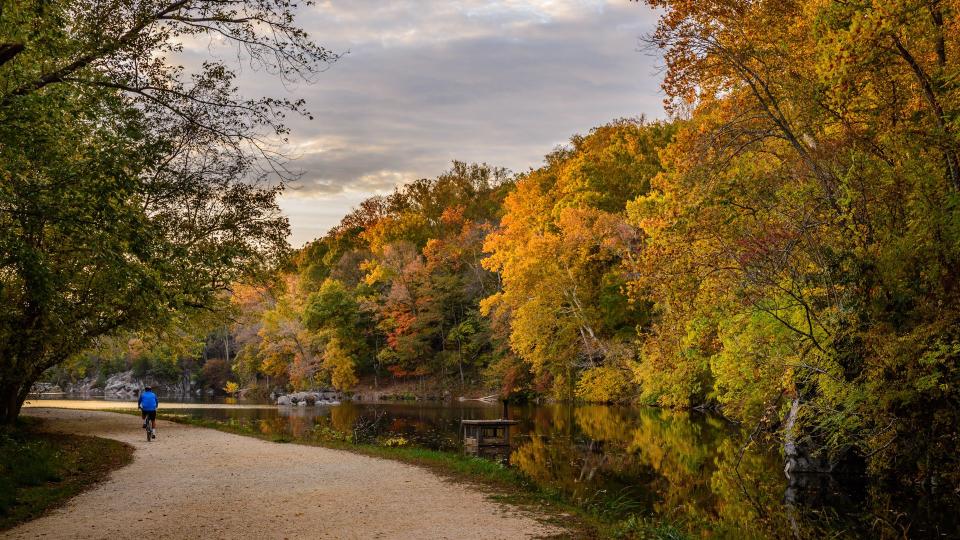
(132, 187)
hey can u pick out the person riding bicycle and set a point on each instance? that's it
(148, 404)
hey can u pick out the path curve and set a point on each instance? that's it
(201, 483)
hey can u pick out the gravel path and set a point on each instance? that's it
(202, 483)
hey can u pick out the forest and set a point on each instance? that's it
(784, 250)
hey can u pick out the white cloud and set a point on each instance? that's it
(426, 82)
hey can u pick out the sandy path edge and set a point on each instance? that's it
(195, 482)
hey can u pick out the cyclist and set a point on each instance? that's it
(147, 404)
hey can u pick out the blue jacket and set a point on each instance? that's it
(148, 401)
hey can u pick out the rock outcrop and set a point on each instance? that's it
(119, 385)
(45, 388)
(320, 397)
(87, 387)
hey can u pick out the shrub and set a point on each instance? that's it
(215, 373)
(395, 442)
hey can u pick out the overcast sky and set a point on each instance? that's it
(427, 82)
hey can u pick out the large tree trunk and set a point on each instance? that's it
(13, 392)
(16, 378)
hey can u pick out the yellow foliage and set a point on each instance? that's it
(560, 245)
(340, 365)
(231, 388)
(605, 384)
(395, 442)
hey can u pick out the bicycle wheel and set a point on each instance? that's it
(149, 435)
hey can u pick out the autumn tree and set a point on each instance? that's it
(425, 270)
(559, 249)
(334, 314)
(131, 187)
(802, 245)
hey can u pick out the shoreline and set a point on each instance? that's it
(98, 405)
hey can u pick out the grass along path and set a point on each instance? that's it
(40, 471)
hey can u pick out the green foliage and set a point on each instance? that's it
(162, 353)
(755, 357)
(396, 285)
(132, 189)
(332, 306)
(140, 367)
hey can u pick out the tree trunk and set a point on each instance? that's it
(460, 360)
(12, 395)
(376, 362)
(226, 343)
(799, 455)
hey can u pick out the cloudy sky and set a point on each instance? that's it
(429, 81)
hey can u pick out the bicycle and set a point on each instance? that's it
(148, 427)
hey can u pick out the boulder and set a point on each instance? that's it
(45, 388)
(122, 385)
(313, 398)
(87, 385)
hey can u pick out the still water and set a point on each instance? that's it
(684, 467)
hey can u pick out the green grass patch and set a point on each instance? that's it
(40, 471)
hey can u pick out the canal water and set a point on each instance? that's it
(687, 468)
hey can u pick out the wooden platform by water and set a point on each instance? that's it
(479, 434)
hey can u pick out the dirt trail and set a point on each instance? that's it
(202, 483)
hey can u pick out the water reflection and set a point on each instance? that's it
(686, 467)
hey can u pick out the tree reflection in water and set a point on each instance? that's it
(622, 461)
(688, 468)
